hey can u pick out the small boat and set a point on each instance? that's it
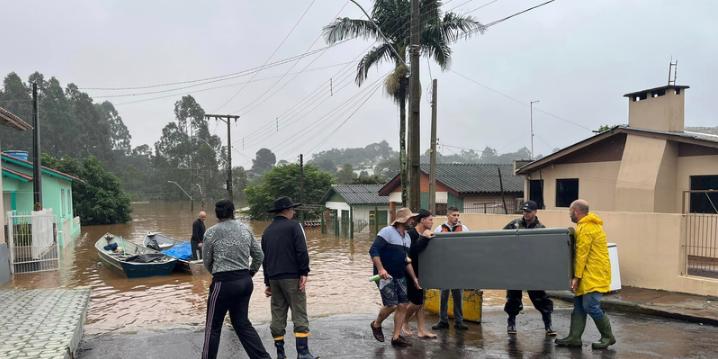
(182, 251)
(134, 260)
(158, 241)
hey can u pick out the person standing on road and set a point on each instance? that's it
(390, 254)
(540, 300)
(228, 247)
(420, 236)
(452, 225)
(591, 278)
(286, 269)
(198, 229)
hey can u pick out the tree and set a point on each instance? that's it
(98, 199)
(263, 161)
(282, 181)
(392, 17)
(346, 174)
(603, 129)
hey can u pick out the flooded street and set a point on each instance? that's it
(338, 283)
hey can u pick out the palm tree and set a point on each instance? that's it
(393, 17)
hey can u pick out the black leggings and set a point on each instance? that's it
(231, 295)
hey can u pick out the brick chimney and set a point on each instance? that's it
(657, 109)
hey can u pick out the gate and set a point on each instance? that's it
(701, 233)
(32, 241)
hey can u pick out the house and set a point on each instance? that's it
(355, 208)
(17, 187)
(654, 184)
(651, 165)
(470, 187)
(7, 119)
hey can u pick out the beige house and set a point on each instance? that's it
(644, 167)
(654, 184)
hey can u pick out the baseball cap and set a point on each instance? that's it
(529, 206)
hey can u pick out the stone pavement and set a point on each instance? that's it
(688, 307)
(41, 323)
(349, 336)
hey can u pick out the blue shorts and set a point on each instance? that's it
(394, 292)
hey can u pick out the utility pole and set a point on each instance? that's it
(501, 185)
(227, 119)
(301, 186)
(432, 152)
(36, 154)
(414, 105)
(532, 128)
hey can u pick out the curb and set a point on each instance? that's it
(628, 307)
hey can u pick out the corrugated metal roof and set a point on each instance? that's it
(477, 177)
(10, 119)
(358, 193)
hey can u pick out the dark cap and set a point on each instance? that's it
(529, 206)
(282, 203)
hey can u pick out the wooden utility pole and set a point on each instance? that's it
(501, 185)
(301, 186)
(414, 105)
(432, 152)
(227, 119)
(36, 154)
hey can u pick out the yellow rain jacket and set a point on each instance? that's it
(592, 264)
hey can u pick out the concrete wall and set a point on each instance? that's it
(650, 246)
(639, 173)
(596, 182)
(662, 113)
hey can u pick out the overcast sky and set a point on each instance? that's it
(577, 57)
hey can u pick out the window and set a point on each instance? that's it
(703, 202)
(566, 191)
(536, 192)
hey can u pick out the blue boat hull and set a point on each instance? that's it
(139, 270)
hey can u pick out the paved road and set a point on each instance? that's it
(349, 337)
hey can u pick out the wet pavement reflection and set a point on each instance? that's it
(338, 282)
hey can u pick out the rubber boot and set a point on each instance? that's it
(547, 325)
(303, 349)
(511, 325)
(607, 338)
(279, 344)
(578, 324)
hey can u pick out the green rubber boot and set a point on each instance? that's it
(578, 324)
(607, 338)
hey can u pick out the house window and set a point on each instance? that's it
(440, 209)
(566, 191)
(704, 202)
(536, 192)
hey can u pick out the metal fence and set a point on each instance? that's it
(513, 205)
(32, 241)
(701, 235)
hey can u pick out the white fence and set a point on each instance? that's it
(32, 241)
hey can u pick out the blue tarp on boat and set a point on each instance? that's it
(181, 250)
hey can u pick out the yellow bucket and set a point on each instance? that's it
(473, 299)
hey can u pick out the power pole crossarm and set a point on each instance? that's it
(227, 119)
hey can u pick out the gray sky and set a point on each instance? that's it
(577, 57)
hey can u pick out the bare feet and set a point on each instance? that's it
(406, 331)
(427, 335)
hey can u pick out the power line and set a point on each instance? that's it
(523, 103)
(134, 94)
(517, 14)
(481, 6)
(273, 52)
(226, 76)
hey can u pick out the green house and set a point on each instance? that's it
(17, 190)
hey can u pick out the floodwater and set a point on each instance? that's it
(338, 282)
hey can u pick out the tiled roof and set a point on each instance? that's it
(10, 119)
(358, 193)
(477, 177)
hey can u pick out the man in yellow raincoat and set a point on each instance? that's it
(591, 279)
